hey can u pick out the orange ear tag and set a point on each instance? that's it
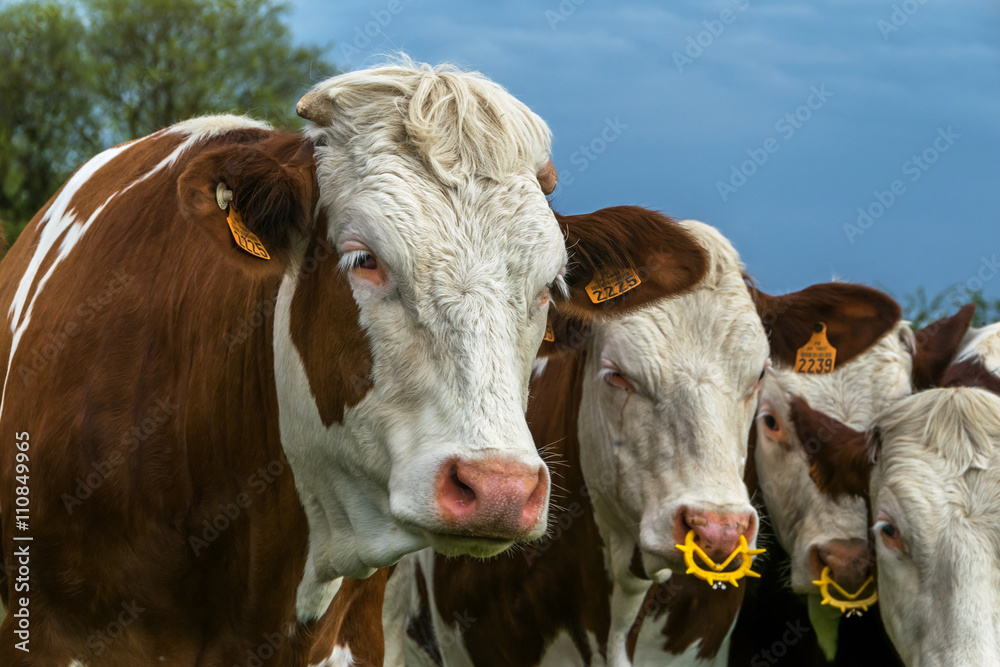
(817, 357)
(550, 335)
(244, 237)
(608, 285)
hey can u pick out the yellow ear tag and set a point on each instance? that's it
(550, 335)
(850, 602)
(608, 285)
(817, 357)
(717, 578)
(244, 237)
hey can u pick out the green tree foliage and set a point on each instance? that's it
(921, 309)
(81, 76)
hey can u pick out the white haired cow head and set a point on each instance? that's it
(816, 530)
(668, 401)
(930, 473)
(409, 430)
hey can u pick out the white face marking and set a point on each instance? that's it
(982, 345)
(802, 516)
(679, 438)
(935, 494)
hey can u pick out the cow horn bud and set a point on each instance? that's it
(547, 177)
(315, 106)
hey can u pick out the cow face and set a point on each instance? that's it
(668, 397)
(934, 468)
(816, 530)
(418, 259)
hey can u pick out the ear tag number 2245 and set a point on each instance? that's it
(607, 286)
(817, 357)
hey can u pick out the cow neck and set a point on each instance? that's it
(559, 582)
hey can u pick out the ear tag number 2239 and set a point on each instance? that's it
(817, 357)
(607, 286)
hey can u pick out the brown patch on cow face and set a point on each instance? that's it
(971, 373)
(325, 330)
(856, 318)
(839, 457)
(667, 259)
(937, 344)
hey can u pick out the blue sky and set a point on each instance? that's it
(773, 121)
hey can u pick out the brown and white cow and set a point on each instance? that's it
(928, 470)
(814, 531)
(214, 439)
(646, 428)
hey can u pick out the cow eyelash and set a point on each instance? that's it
(559, 286)
(354, 259)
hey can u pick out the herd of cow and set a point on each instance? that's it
(360, 397)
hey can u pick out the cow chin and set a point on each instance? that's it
(462, 545)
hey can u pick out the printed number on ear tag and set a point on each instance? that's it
(608, 285)
(244, 237)
(817, 357)
(550, 335)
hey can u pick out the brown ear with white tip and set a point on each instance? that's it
(315, 106)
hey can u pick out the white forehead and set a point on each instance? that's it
(982, 345)
(713, 333)
(436, 165)
(939, 462)
(856, 392)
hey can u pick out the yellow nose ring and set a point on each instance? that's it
(716, 578)
(850, 602)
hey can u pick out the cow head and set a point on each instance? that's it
(419, 260)
(818, 530)
(930, 474)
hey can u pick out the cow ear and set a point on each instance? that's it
(937, 344)
(839, 457)
(273, 202)
(856, 317)
(624, 257)
(563, 333)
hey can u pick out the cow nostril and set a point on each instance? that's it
(466, 493)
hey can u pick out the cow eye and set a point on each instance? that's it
(889, 533)
(365, 260)
(772, 426)
(615, 378)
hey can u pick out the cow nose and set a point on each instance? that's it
(717, 533)
(492, 497)
(848, 560)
